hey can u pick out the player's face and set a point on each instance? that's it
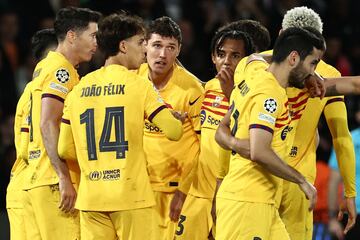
(161, 53)
(85, 42)
(229, 54)
(304, 69)
(136, 51)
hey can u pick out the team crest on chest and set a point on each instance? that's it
(217, 101)
(62, 75)
(270, 105)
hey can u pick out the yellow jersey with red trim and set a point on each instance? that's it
(53, 77)
(104, 115)
(305, 113)
(169, 163)
(21, 126)
(257, 102)
(213, 109)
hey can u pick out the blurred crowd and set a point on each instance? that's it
(198, 20)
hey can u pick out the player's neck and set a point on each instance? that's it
(280, 73)
(68, 53)
(160, 80)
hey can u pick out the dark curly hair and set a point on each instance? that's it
(165, 27)
(115, 28)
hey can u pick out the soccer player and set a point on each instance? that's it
(246, 198)
(103, 123)
(47, 181)
(169, 163)
(305, 113)
(228, 47)
(41, 43)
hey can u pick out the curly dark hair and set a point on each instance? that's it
(165, 27)
(115, 28)
(221, 35)
(257, 32)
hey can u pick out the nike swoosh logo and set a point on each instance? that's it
(193, 102)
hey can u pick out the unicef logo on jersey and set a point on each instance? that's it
(202, 116)
(95, 176)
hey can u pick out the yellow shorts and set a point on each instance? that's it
(132, 224)
(294, 212)
(247, 220)
(16, 219)
(195, 221)
(44, 219)
(166, 228)
(15, 210)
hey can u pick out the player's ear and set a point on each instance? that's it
(179, 49)
(71, 36)
(213, 58)
(122, 46)
(293, 58)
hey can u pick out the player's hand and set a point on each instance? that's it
(350, 208)
(176, 205)
(67, 195)
(315, 85)
(310, 192)
(336, 229)
(226, 78)
(179, 115)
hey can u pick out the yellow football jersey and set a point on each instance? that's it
(305, 113)
(214, 107)
(257, 102)
(107, 111)
(169, 162)
(13, 200)
(53, 77)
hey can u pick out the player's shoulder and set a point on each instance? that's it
(143, 70)
(326, 70)
(212, 84)
(186, 79)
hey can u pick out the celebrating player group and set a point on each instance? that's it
(141, 149)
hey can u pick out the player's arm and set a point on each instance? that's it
(336, 118)
(227, 141)
(180, 194)
(171, 127)
(262, 153)
(342, 86)
(51, 112)
(335, 226)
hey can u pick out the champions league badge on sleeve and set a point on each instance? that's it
(270, 105)
(62, 75)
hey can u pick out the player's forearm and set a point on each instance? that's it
(269, 160)
(345, 154)
(342, 86)
(223, 136)
(171, 127)
(334, 182)
(50, 135)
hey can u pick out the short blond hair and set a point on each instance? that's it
(302, 17)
